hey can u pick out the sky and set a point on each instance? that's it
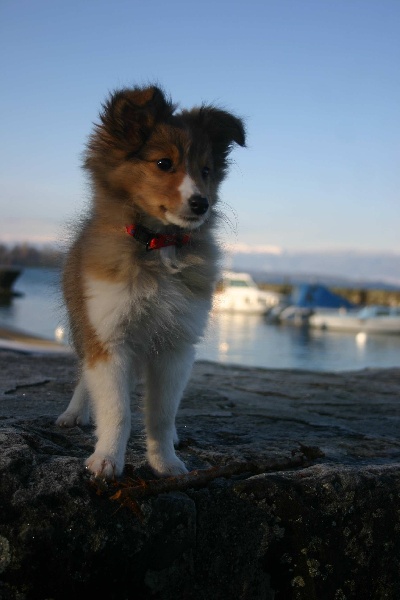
(317, 82)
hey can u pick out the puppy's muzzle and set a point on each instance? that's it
(198, 204)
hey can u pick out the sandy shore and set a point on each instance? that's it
(22, 341)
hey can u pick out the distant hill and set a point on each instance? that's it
(294, 279)
(335, 269)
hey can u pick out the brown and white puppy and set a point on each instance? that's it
(139, 277)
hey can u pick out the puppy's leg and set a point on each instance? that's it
(108, 382)
(77, 412)
(166, 377)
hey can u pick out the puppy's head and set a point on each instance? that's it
(163, 164)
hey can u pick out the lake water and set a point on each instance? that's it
(239, 339)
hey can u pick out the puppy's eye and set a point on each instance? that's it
(205, 172)
(164, 164)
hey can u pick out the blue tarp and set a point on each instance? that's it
(318, 296)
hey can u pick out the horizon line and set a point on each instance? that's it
(230, 248)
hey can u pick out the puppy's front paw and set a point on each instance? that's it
(68, 419)
(166, 466)
(103, 466)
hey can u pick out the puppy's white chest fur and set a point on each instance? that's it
(112, 304)
(162, 315)
(108, 305)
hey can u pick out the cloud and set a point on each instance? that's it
(240, 248)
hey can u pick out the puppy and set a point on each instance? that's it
(139, 277)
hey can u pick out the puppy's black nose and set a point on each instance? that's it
(198, 204)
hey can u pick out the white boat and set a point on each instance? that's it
(371, 319)
(240, 294)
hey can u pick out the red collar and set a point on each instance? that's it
(155, 241)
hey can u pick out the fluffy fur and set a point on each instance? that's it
(135, 313)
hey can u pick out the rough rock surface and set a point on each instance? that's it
(326, 529)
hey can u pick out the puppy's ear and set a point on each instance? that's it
(224, 130)
(128, 117)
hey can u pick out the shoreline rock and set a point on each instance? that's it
(325, 528)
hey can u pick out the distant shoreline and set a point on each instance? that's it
(357, 295)
(27, 255)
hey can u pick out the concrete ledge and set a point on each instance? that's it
(325, 528)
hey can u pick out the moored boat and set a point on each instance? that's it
(8, 276)
(305, 300)
(240, 294)
(370, 319)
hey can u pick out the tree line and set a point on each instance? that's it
(27, 255)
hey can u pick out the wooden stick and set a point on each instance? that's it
(140, 489)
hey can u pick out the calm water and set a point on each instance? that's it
(244, 340)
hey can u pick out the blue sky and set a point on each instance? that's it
(317, 81)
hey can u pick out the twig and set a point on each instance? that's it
(140, 489)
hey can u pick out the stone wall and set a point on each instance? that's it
(295, 491)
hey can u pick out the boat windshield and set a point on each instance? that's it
(238, 283)
(378, 311)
